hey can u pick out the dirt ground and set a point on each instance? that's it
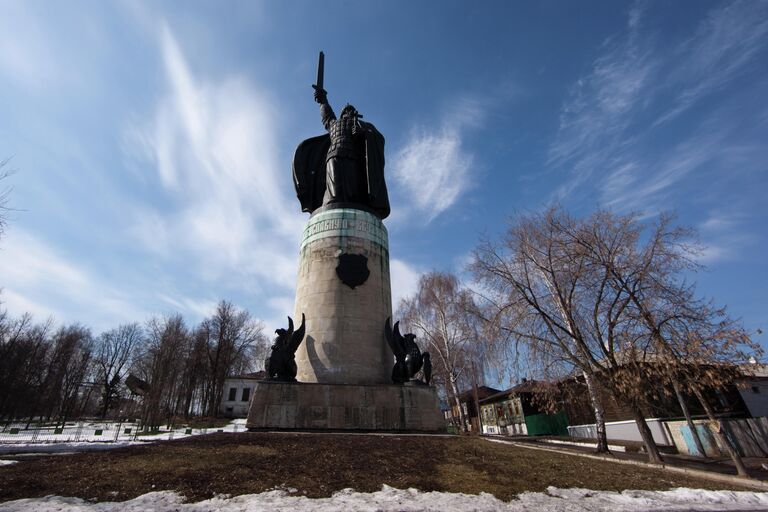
(317, 465)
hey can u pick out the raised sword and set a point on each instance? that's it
(320, 72)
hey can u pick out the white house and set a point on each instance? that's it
(754, 390)
(237, 394)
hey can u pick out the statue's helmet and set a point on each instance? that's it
(350, 110)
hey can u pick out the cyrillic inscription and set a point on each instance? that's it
(346, 224)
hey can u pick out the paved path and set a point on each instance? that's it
(723, 466)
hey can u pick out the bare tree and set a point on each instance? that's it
(231, 336)
(68, 367)
(57, 375)
(24, 354)
(590, 292)
(534, 284)
(194, 374)
(114, 351)
(694, 345)
(160, 365)
(441, 315)
(4, 193)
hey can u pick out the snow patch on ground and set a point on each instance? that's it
(63, 448)
(412, 500)
(612, 447)
(82, 437)
(7, 462)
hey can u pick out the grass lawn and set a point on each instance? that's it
(317, 465)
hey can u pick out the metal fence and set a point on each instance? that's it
(96, 432)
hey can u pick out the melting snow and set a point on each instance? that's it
(391, 499)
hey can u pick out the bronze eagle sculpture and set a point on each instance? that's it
(281, 364)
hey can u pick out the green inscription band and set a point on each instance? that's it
(345, 222)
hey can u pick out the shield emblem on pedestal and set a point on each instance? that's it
(353, 269)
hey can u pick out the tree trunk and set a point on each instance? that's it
(107, 395)
(688, 419)
(458, 405)
(654, 457)
(477, 400)
(720, 433)
(597, 406)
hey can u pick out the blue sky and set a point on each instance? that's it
(153, 141)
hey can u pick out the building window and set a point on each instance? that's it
(232, 394)
(246, 394)
(722, 398)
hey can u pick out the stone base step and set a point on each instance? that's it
(315, 406)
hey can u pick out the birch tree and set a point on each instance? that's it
(533, 283)
(440, 314)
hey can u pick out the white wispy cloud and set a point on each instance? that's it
(718, 222)
(40, 279)
(642, 185)
(721, 49)
(198, 308)
(711, 254)
(226, 210)
(597, 113)
(405, 281)
(26, 55)
(41, 47)
(723, 236)
(434, 166)
(608, 122)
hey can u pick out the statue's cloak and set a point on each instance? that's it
(309, 171)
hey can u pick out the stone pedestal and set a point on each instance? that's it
(344, 362)
(344, 341)
(307, 406)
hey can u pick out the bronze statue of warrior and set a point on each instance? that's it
(345, 162)
(344, 167)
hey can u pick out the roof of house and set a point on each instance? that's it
(754, 370)
(260, 375)
(526, 386)
(482, 393)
